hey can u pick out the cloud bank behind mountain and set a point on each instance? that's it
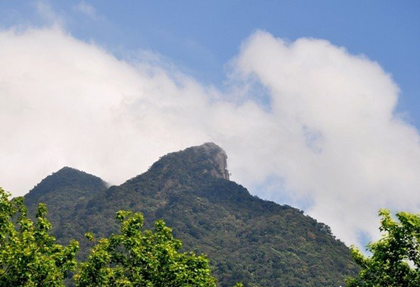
(303, 123)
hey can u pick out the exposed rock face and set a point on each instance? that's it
(217, 157)
(206, 159)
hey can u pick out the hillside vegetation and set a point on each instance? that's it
(247, 239)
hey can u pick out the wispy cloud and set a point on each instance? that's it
(44, 10)
(86, 9)
(324, 136)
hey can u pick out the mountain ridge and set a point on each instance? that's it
(258, 242)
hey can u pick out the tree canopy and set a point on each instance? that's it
(136, 258)
(395, 259)
(30, 256)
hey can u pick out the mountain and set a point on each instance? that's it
(247, 239)
(62, 192)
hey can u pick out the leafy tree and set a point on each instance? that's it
(29, 256)
(395, 259)
(136, 258)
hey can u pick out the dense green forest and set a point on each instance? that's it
(30, 256)
(247, 239)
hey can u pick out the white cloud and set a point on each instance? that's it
(65, 102)
(328, 140)
(358, 156)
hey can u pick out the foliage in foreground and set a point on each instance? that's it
(29, 256)
(395, 259)
(136, 258)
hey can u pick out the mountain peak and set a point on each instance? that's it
(195, 162)
(67, 177)
(215, 156)
(71, 176)
(67, 170)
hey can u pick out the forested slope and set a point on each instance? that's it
(247, 239)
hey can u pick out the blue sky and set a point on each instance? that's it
(200, 37)
(315, 102)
